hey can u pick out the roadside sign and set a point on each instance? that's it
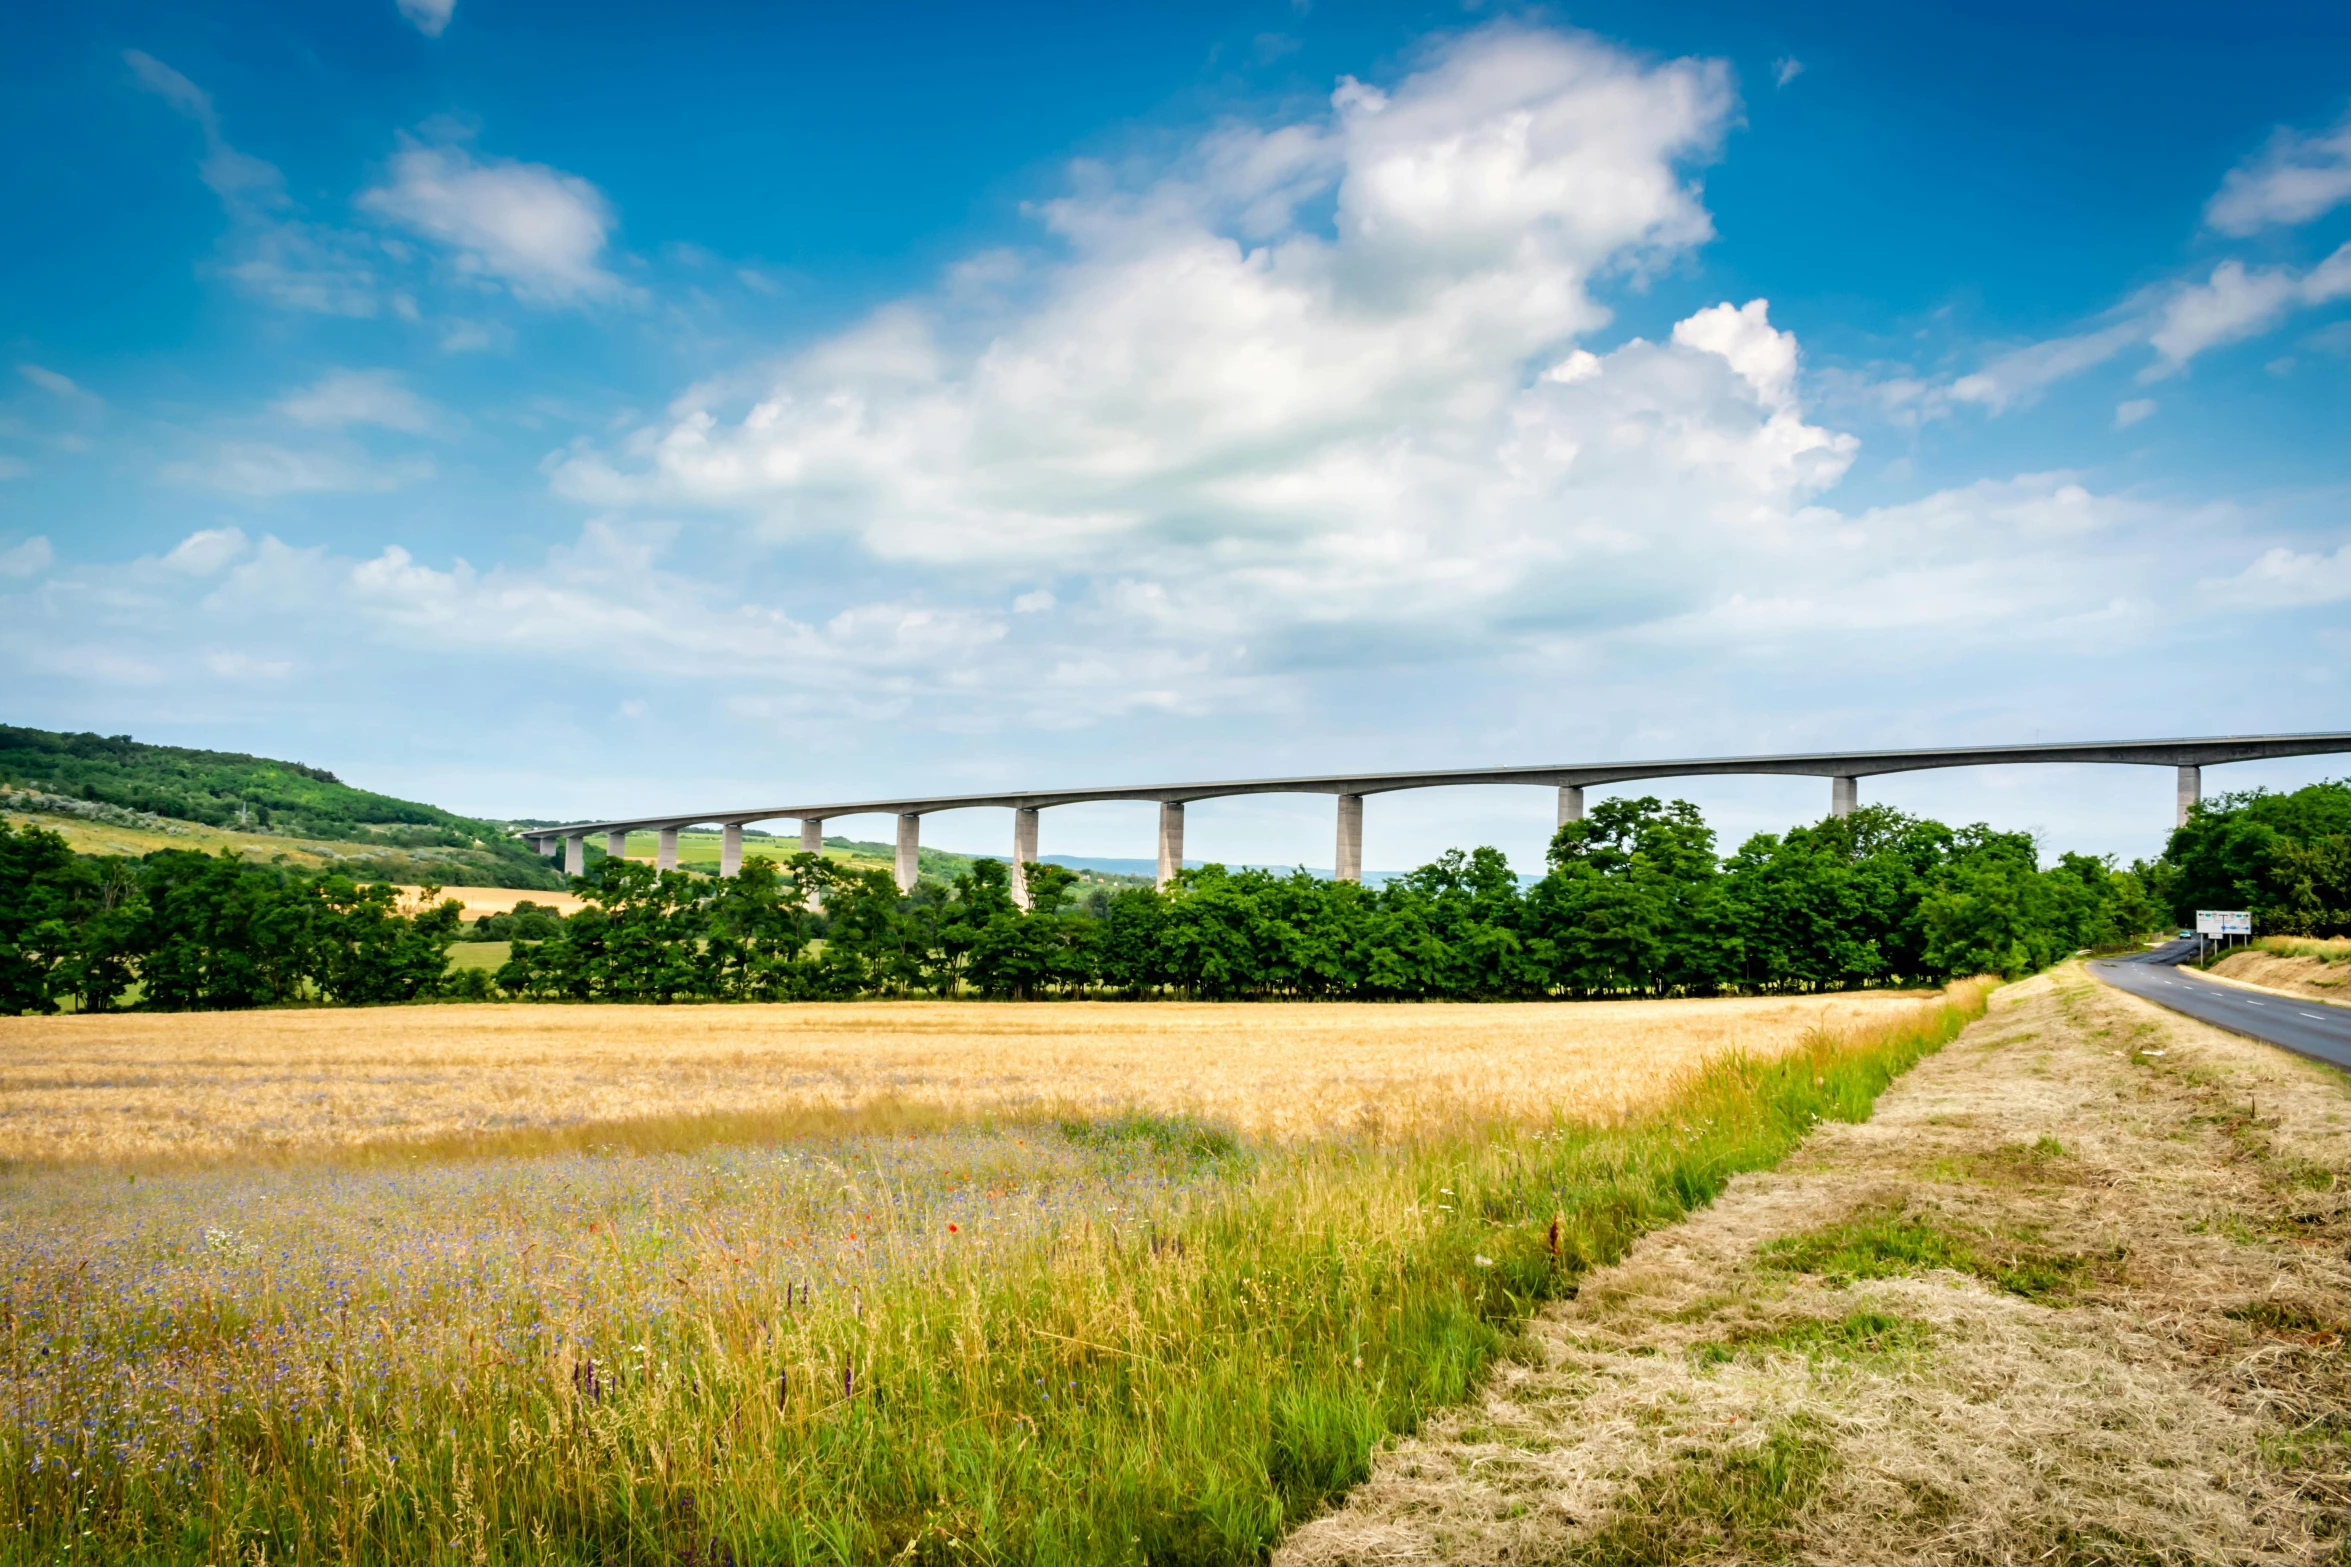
(2223, 922)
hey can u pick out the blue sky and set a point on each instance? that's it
(550, 410)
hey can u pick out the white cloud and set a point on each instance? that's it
(2178, 321)
(229, 664)
(2236, 303)
(2233, 303)
(1785, 70)
(29, 558)
(2129, 413)
(309, 267)
(206, 551)
(1033, 602)
(428, 17)
(233, 176)
(348, 397)
(262, 469)
(475, 337)
(1293, 382)
(538, 230)
(293, 264)
(14, 467)
(2283, 578)
(59, 385)
(2018, 377)
(1581, 365)
(2292, 180)
(1744, 337)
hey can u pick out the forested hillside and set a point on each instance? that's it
(40, 769)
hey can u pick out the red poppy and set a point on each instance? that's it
(953, 1228)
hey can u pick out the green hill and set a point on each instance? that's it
(115, 778)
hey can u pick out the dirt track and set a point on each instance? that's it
(2077, 1293)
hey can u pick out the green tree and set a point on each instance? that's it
(215, 932)
(1631, 905)
(365, 952)
(41, 882)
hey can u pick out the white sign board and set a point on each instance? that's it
(2223, 922)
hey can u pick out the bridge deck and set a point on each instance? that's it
(2207, 752)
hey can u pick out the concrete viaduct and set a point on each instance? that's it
(1843, 769)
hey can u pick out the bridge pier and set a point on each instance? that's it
(616, 845)
(909, 850)
(665, 850)
(1571, 804)
(2191, 793)
(1024, 851)
(1844, 795)
(575, 855)
(1171, 840)
(812, 842)
(730, 849)
(549, 848)
(1348, 863)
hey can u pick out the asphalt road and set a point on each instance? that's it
(2309, 1028)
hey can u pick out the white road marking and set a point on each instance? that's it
(2314, 1014)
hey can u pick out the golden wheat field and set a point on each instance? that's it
(147, 1086)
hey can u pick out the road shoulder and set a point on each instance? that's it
(2302, 979)
(2077, 1291)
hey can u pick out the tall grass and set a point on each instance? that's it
(2327, 949)
(1175, 1389)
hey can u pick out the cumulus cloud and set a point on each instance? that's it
(348, 397)
(539, 231)
(429, 17)
(1301, 380)
(2131, 412)
(2295, 178)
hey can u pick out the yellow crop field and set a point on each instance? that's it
(150, 1086)
(106, 838)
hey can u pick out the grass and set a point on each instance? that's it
(1857, 1335)
(103, 838)
(1196, 1344)
(2333, 949)
(1891, 1242)
(218, 1085)
(1723, 1504)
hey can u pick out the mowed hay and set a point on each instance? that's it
(145, 1086)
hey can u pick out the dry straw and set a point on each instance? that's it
(158, 1087)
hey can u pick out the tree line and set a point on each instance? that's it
(2284, 858)
(184, 931)
(1636, 901)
